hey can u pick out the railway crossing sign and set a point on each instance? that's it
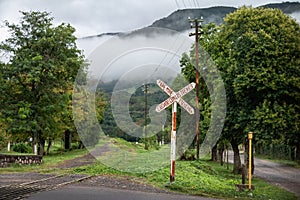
(175, 97)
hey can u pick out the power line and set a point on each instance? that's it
(184, 4)
(192, 3)
(196, 3)
(176, 52)
(177, 4)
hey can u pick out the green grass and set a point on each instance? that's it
(132, 157)
(201, 178)
(15, 153)
(49, 162)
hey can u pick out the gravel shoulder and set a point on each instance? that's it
(120, 182)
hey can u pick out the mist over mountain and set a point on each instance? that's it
(178, 20)
(158, 46)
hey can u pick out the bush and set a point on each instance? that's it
(22, 148)
(189, 154)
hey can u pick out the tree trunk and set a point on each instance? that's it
(246, 156)
(221, 152)
(293, 153)
(41, 147)
(236, 158)
(34, 148)
(214, 153)
(8, 146)
(67, 139)
(49, 146)
(80, 146)
(298, 152)
(227, 158)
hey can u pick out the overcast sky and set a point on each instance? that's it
(91, 17)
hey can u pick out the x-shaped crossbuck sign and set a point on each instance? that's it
(175, 97)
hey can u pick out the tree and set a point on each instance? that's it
(43, 63)
(257, 51)
(259, 56)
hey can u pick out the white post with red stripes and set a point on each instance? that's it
(175, 97)
(173, 142)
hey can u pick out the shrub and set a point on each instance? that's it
(22, 148)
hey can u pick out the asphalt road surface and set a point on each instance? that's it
(278, 174)
(281, 175)
(102, 193)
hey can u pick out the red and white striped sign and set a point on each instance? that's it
(175, 97)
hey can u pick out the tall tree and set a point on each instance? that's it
(257, 51)
(43, 63)
(259, 55)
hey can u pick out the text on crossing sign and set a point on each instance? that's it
(175, 97)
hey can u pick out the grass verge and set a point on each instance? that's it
(201, 178)
(49, 162)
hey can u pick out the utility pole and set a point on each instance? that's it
(195, 23)
(145, 116)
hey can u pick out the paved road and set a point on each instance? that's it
(102, 193)
(278, 174)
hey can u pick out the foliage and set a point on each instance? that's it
(3, 141)
(43, 63)
(4, 137)
(22, 148)
(137, 113)
(257, 51)
(85, 103)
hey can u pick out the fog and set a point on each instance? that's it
(138, 57)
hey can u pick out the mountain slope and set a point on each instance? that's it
(286, 7)
(178, 20)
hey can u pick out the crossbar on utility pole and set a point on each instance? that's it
(198, 26)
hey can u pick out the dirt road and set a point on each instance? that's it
(278, 174)
(281, 175)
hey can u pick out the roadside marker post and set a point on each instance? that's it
(175, 97)
(250, 136)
